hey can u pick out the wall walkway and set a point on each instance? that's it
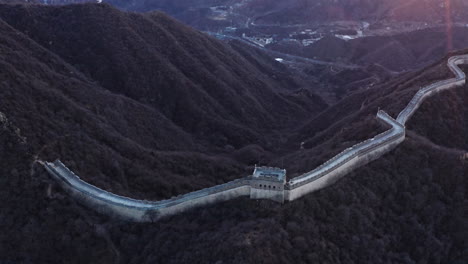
(324, 175)
(141, 210)
(431, 89)
(351, 158)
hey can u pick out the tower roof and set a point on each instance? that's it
(269, 173)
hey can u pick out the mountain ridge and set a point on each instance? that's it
(169, 78)
(413, 212)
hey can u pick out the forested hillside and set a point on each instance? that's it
(143, 106)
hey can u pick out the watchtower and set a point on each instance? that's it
(268, 183)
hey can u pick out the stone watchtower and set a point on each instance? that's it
(268, 183)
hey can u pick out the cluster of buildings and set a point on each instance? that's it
(259, 40)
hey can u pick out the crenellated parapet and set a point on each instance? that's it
(434, 88)
(348, 160)
(142, 210)
(265, 182)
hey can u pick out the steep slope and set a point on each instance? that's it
(400, 35)
(407, 207)
(353, 118)
(201, 84)
(133, 137)
(111, 140)
(434, 122)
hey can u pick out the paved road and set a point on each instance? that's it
(284, 55)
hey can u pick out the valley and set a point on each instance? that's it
(153, 105)
(303, 28)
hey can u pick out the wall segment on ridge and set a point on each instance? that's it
(324, 175)
(141, 210)
(351, 158)
(423, 93)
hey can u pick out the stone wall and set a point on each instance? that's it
(427, 91)
(94, 200)
(352, 159)
(347, 161)
(140, 210)
(326, 174)
(231, 192)
(267, 189)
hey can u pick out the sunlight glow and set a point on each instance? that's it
(448, 22)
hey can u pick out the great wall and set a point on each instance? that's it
(265, 183)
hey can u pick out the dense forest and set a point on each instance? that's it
(146, 107)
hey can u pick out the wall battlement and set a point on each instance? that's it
(423, 93)
(265, 182)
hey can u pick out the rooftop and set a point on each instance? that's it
(269, 173)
